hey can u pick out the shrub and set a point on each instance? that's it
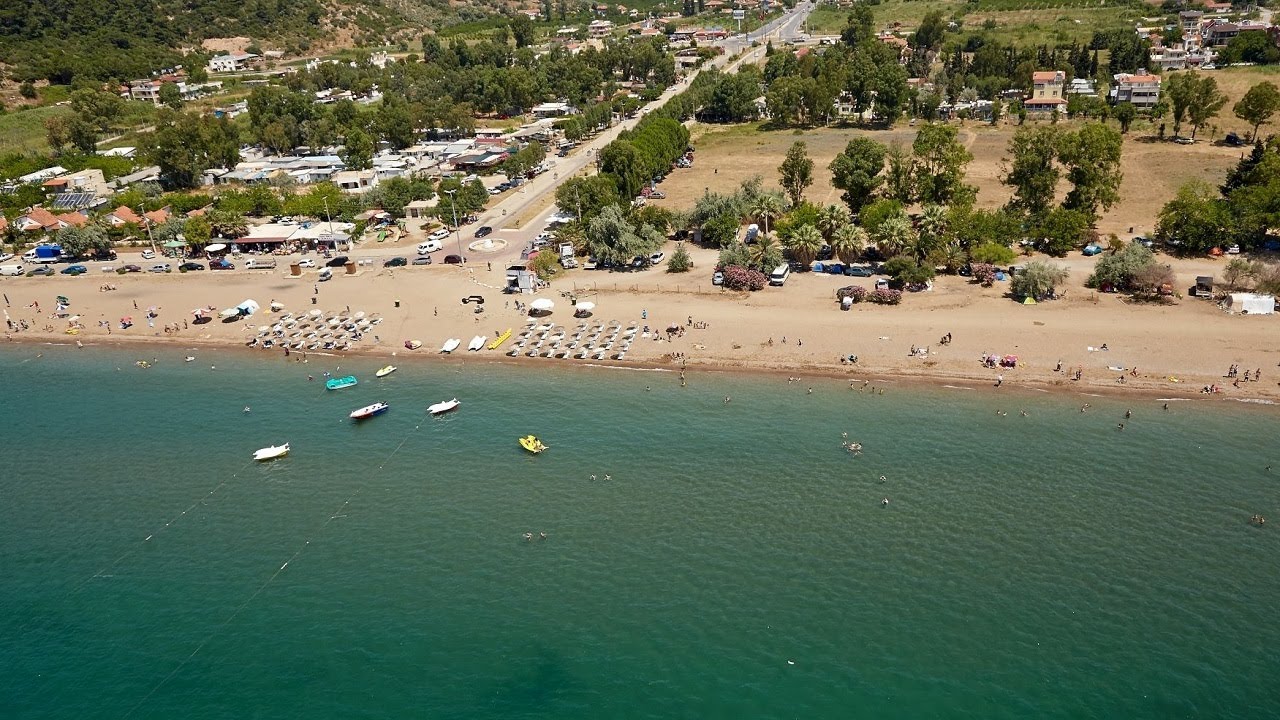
(885, 296)
(857, 292)
(680, 260)
(984, 273)
(737, 277)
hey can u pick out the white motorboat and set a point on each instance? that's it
(477, 342)
(443, 407)
(369, 411)
(271, 453)
(450, 345)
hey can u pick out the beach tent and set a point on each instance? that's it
(1028, 300)
(1252, 303)
(248, 307)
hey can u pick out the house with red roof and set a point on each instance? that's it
(1046, 92)
(122, 216)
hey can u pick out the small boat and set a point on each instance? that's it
(271, 453)
(340, 383)
(443, 407)
(369, 411)
(450, 345)
(476, 343)
(497, 342)
(532, 444)
(385, 371)
(412, 344)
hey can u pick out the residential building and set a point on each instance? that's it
(122, 216)
(1217, 33)
(1142, 89)
(1082, 87)
(552, 109)
(37, 219)
(1046, 91)
(1190, 22)
(600, 29)
(235, 62)
(355, 181)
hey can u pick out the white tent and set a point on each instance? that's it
(1252, 304)
(248, 307)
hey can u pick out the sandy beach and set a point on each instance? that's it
(798, 329)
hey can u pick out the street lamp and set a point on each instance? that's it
(453, 206)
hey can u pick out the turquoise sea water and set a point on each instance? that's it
(738, 563)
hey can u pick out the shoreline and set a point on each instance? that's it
(1140, 388)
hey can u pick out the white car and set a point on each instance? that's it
(6, 257)
(306, 263)
(656, 258)
(148, 254)
(439, 235)
(160, 268)
(430, 246)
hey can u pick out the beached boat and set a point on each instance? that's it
(339, 383)
(412, 344)
(532, 444)
(450, 345)
(369, 411)
(385, 371)
(272, 452)
(443, 407)
(476, 343)
(497, 342)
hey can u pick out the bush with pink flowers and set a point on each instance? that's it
(984, 273)
(885, 296)
(857, 292)
(737, 277)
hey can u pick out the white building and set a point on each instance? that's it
(355, 181)
(1141, 89)
(237, 62)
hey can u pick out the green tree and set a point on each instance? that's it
(586, 197)
(848, 243)
(1118, 270)
(831, 218)
(1195, 98)
(357, 150)
(171, 96)
(1033, 173)
(905, 270)
(1125, 113)
(83, 241)
(857, 170)
(1092, 157)
(1038, 279)
(894, 235)
(764, 255)
(99, 108)
(796, 171)
(804, 243)
(1061, 230)
(679, 261)
(900, 175)
(1258, 105)
(522, 29)
(765, 209)
(1194, 221)
(395, 122)
(940, 163)
(185, 145)
(611, 238)
(198, 231)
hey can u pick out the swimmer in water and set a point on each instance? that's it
(1128, 414)
(884, 479)
(593, 477)
(884, 502)
(247, 408)
(608, 477)
(727, 399)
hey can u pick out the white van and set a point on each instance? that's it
(430, 246)
(780, 274)
(11, 270)
(260, 264)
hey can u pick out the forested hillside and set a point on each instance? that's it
(59, 40)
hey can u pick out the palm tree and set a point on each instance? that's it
(933, 223)
(765, 253)
(804, 244)
(832, 218)
(848, 242)
(951, 256)
(895, 235)
(766, 207)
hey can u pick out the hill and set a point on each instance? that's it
(60, 40)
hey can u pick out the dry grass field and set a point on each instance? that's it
(1153, 170)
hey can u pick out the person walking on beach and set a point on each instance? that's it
(999, 380)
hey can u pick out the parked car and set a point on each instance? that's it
(306, 263)
(339, 261)
(396, 262)
(1090, 250)
(483, 230)
(74, 270)
(452, 259)
(1184, 141)
(1233, 250)
(190, 267)
(1145, 241)
(439, 235)
(430, 246)
(6, 257)
(639, 261)
(217, 264)
(657, 257)
(858, 271)
(160, 268)
(131, 268)
(42, 270)
(424, 260)
(717, 278)
(148, 254)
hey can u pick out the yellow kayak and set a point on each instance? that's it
(532, 444)
(500, 339)
(385, 371)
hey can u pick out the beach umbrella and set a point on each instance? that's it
(359, 315)
(175, 244)
(316, 313)
(543, 304)
(215, 248)
(586, 306)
